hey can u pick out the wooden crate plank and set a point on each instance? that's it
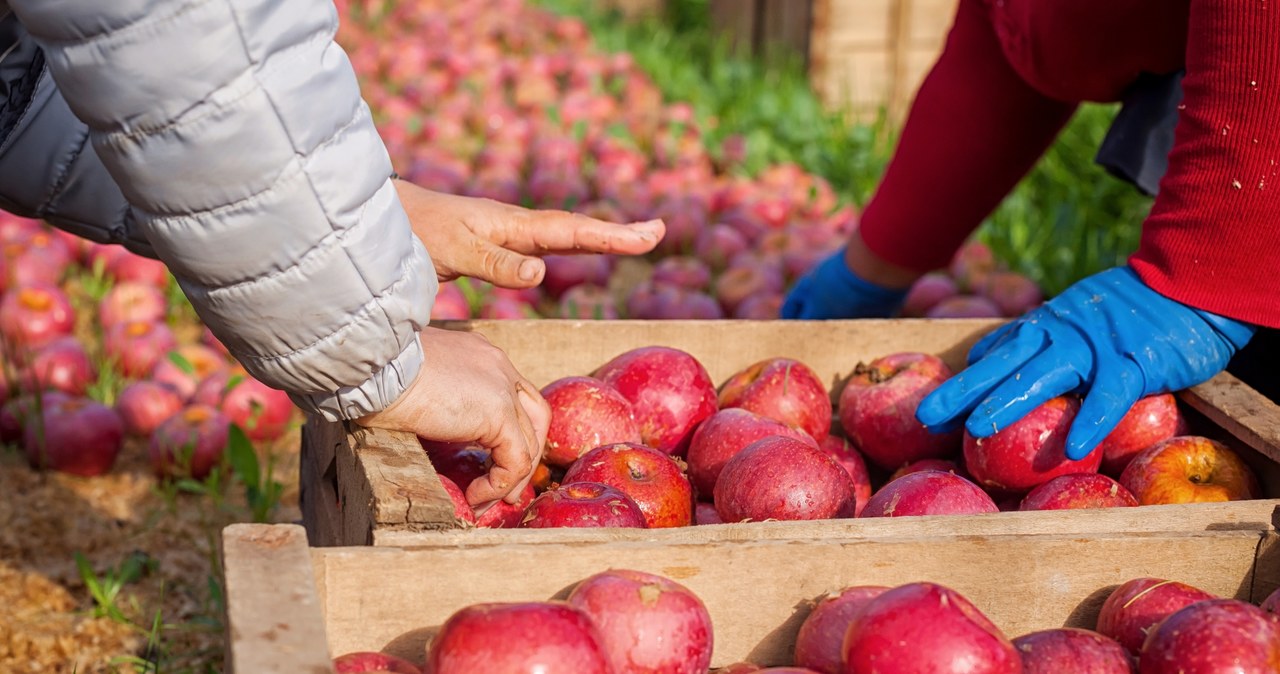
(758, 592)
(1240, 410)
(318, 484)
(273, 610)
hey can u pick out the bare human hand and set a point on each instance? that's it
(501, 243)
(468, 391)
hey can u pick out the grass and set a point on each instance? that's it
(1066, 220)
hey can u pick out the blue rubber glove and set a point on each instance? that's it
(832, 290)
(1108, 337)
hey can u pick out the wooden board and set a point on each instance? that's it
(757, 592)
(379, 488)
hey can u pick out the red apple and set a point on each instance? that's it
(16, 412)
(1070, 649)
(764, 307)
(925, 627)
(461, 509)
(1076, 491)
(1029, 452)
(450, 304)
(929, 492)
(132, 301)
(737, 283)
(1189, 469)
(38, 266)
(506, 308)
(527, 638)
(262, 412)
(503, 515)
(33, 316)
(682, 271)
(669, 390)
(972, 263)
(878, 409)
(583, 504)
(1272, 603)
(647, 623)
(926, 293)
(843, 452)
(62, 365)
(189, 443)
(144, 405)
(73, 435)
(820, 641)
(461, 462)
(705, 513)
(1132, 609)
(588, 303)
(364, 662)
(136, 347)
(964, 306)
(654, 480)
(1013, 293)
(780, 478)
(929, 464)
(1218, 636)
(782, 389)
(718, 244)
(722, 436)
(126, 266)
(567, 271)
(585, 413)
(1151, 420)
(184, 368)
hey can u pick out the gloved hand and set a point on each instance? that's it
(832, 290)
(1109, 337)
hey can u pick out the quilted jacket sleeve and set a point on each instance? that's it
(236, 132)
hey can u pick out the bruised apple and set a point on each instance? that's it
(1132, 609)
(583, 504)
(781, 478)
(647, 623)
(878, 410)
(1078, 491)
(929, 492)
(1029, 452)
(669, 390)
(654, 480)
(1151, 420)
(1070, 649)
(782, 389)
(585, 413)
(532, 638)
(1189, 469)
(722, 436)
(821, 637)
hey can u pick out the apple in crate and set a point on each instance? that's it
(820, 641)
(1069, 649)
(878, 409)
(669, 390)
(62, 365)
(722, 436)
(551, 637)
(33, 316)
(137, 346)
(503, 515)
(73, 435)
(647, 623)
(1029, 452)
(925, 627)
(184, 368)
(1216, 636)
(783, 389)
(705, 513)
(1189, 469)
(929, 492)
(367, 662)
(132, 301)
(781, 478)
(583, 504)
(260, 411)
(1132, 609)
(585, 413)
(461, 462)
(653, 479)
(850, 459)
(189, 443)
(144, 405)
(944, 465)
(461, 509)
(1078, 491)
(1150, 421)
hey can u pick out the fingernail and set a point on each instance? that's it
(528, 270)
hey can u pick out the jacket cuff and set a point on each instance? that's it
(374, 395)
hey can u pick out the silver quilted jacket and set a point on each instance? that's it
(228, 139)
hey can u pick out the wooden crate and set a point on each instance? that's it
(377, 487)
(290, 608)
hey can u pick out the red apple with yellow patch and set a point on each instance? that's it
(1189, 469)
(653, 479)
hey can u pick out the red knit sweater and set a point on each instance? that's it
(1010, 77)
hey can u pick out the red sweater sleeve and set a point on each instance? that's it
(1212, 240)
(974, 130)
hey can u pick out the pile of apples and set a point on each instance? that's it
(498, 99)
(648, 440)
(178, 398)
(631, 622)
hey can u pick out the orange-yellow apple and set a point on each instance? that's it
(1189, 469)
